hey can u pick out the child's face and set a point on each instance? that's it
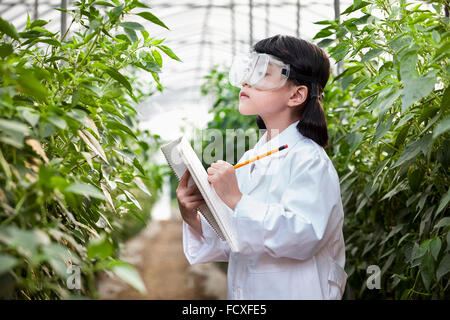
(264, 103)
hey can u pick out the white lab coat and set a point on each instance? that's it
(288, 224)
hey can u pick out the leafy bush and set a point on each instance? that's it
(75, 171)
(388, 120)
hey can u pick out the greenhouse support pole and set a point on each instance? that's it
(200, 62)
(337, 13)
(63, 17)
(250, 3)
(233, 32)
(267, 18)
(298, 19)
(36, 14)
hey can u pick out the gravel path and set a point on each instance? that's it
(157, 254)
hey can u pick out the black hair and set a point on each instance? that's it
(309, 66)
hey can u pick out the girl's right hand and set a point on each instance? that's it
(189, 199)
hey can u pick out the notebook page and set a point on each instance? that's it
(178, 166)
(217, 206)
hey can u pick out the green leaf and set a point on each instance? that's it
(408, 63)
(100, 248)
(116, 12)
(326, 32)
(444, 267)
(120, 78)
(400, 43)
(132, 199)
(137, 164)
(56, 255)
(371, 54)
(415, 178)
(444, 201)
(92, 143)
(7, 262)
(444, 222)
(152, 18)
(58, 122)
(427, 270)
(416, 89)
(31, 116)
(12, 126)
(445, 102)
(448, 240)
(382, 128)
(340, 51)
(103, 3)
(8, 29)
(131, 34)
(414, 148)
(325, 22)
(169, 52)
(435, 247)
(32, 86)
(138, 181)
(5, 49)
(325, 43)
(132, 25)
(357, 4)
(393, 232)
(442, 127)
(115, 125)
(129, 274)
(26, 242)
(402, 186)
(38, 23)
(157, 57)
(85, 189)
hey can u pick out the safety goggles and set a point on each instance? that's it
(260, 70)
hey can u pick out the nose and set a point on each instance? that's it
(245, 84)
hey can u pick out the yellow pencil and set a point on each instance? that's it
(259, 157)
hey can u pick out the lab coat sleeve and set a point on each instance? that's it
(300, 224)
(206, 248)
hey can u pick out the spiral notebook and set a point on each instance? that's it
(181, 157)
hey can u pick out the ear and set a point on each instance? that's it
(298, 95)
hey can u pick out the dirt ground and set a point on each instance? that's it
(157, 253)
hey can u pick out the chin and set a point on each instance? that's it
(246, 111)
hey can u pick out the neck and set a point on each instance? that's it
(276, 126)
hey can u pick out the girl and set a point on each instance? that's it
(286, 208)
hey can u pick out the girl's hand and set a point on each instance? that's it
(189, 199)
(222, 176)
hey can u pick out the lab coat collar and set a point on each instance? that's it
(289, 136)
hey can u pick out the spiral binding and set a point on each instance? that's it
(212, 223)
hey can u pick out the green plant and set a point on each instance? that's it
(388, 115)
(74, 167)
(388, 121)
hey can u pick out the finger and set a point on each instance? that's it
(197, 204)
(184, 179)
(191, 190)
(194, 198)
(214, 165)
(211, 170)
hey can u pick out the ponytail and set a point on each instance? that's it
(313, 123)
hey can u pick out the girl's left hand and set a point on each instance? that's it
(222, 176)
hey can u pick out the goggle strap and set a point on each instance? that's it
(300, 76)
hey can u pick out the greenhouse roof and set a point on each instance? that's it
(202, 34)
